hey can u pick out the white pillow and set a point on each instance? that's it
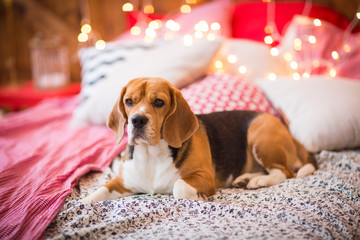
(252, 55)
(179, 64)
(324, 113)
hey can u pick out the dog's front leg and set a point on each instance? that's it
(194, 187)
(113, 189)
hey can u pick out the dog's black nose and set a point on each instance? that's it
(139, 121)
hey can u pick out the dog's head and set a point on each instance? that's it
(152, 109)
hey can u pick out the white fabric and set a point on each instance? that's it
(324, 113)
(253, 55)
(179, 64)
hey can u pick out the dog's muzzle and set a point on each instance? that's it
(139, 121)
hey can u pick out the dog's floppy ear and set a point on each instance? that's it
(180, 123)
(118, 118)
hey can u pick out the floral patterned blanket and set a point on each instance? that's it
(325, 205)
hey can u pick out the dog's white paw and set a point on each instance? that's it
(258, 182)
(182, 190)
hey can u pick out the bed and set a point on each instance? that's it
(59, 151)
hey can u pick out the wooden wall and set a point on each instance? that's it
(20, 20)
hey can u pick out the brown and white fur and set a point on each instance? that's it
(171, 150)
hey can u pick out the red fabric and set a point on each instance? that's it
(249, 19)
(217, 93)
(15, 98)
(42, 158)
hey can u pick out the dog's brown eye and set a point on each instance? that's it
(129, 102)
(159, 103)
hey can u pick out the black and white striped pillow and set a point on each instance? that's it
(97, 64)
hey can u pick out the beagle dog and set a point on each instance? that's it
(172, 150)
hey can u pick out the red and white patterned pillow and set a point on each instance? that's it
(217, 93)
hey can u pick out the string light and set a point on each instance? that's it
(317, 22)
(127, 7)
(148, 9)
(297, 44)
(135, 30)
(215, 26)
(100, 44)
(272, 76)
(332, 72)
(172, 25)
(155, 24)
(268, 40)
(274, 51)
(86, 28)
(335, 55)
(294, 65)
(296, 76)
(219, 64)
(211, 37)
(185, 8)
(83, 37)
(202, 26)
(306, 75)
(358, 15)
(232, 58)
(347, 48)
(288, 57)
(242, 69)
(198, 35)
(312, 39)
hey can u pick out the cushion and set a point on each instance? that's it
(226, 92)
(252, 55)
(323, 112)
(328, 38)
(97, 64)
(179, 64)
(245, 25)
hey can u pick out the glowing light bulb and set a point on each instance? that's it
(347, 48)
(312, 39)
(155, 24)
(232, 58)
(268, 40)
(317, 22)
(202, 26)
(306, 75)
(172, 25)
(86, 28)
(148, 9)
(297, 44)
(127, 7)
(215, 26)
(268, 29)
(294, 65)
(219, 64)
(100, 44)
(185, 8)
(274, 51)
(272, 76)
(288, 57)
(150, 32)
(332, 72)
(296, 76)
(242, 69)
(83, 37)
(358, 15)
(335, 55)
(188, 40)
(135, 30)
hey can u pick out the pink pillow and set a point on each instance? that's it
(317, 58)
(217, 93)
(249, 19)
(216, 11)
